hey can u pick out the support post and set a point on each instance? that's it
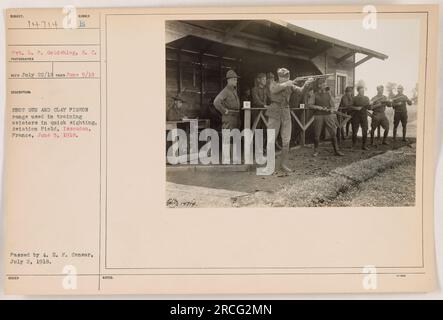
(247, 114)
(303, 131)
(179, 72)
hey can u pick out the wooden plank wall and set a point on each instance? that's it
(199, 78)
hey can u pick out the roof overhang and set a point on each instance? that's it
(269, 36)
(352, 48)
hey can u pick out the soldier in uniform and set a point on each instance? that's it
(345, 103)
(360, 104)
(379, 104)
(309, 97)
(175, 112)
(228, 103)
(296, 99)
(323, 117)
(399, 102)
(269, 78)
(259, 94)
(279, 113)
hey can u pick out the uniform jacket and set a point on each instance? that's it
(227, 99)
(279, 95)
(174, 114)
(346, 102)
(401, 105)
(323, 99)
(259, 96)
(360, 101)
(382, 102)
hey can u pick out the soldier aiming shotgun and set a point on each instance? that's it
(279, 113)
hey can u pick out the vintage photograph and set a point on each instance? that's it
(271, 150)
(297, 113)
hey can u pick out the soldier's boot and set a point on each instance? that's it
(354, 141)
(404, 135)
(315, 154)
(385, 137)
(337, 152)
(364, 146)
(284, 160)
(372, 138)
(316, 143)
(364, 140)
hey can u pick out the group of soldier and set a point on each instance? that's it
(277, 96)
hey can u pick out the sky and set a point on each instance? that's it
(399, 39)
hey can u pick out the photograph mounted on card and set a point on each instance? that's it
(220, 150)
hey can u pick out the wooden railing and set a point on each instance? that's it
(301, 120)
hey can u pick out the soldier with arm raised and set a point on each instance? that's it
(279, 113)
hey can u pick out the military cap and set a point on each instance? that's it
(231, 74)
(349, 89)
(400, 86)
(283, 72)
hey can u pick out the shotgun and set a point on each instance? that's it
(353, 108)
(329, 110)
(315, 77)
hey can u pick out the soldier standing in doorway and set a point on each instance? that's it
(175, 112)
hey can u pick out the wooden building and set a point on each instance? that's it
(199, 53)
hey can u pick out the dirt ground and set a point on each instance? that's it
(301, 160)
(394, 186)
